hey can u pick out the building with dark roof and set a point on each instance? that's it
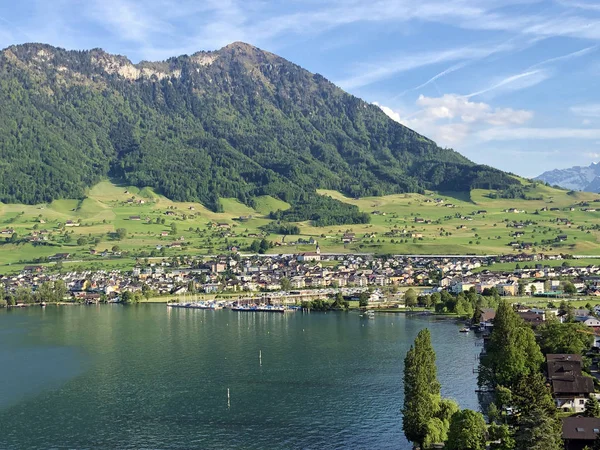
(579, 432)
(570, 387)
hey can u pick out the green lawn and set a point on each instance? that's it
(394, 229)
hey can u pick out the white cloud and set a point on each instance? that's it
(512, 134)
(589, 110)
(452, 118)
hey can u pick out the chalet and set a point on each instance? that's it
(59, 256)
(554, 209)
(223, 225)
(580, 432)
(570, 388)
(135, 218)
(487, 317)
(70, 223)
(164, 233)
(561, 238)
(7, 232)
(348, 237)
(482, 211)
(532, 318)
(419, 220)
(170, 213)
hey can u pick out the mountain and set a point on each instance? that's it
(578, 178)
(237, 122)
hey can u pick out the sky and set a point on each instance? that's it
(514, 84)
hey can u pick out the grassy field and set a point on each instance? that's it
(433, 223)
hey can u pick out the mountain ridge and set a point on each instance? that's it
(577, 178)
(236, 122)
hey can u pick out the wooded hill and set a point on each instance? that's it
(238, 122)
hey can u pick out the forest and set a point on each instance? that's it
(239, 122)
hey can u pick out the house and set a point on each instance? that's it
(59, 256)
(561, 238)
(33, 269)
(70, 223)
(348, 237)
(532, 318)
(570, 388)
(309, 256)
(588, 321)
(487, 317)
(579, 432)
(135, 218)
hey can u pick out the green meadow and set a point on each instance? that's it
(430, 223)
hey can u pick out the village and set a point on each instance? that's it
(290, 278)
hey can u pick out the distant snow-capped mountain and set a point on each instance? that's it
(578, 178)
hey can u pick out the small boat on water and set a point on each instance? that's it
(463, 330)
(368, 314)
(43, 304)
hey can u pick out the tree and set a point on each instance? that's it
(410, 298)
(538, 432)
(147, 292)
(555, 337)
(592, 408)
(173, 228)
(538, 426)
(363, 299)
(421, 388)
(532, 290)
(121, 233)
(512, 351)
(569, 288)
(286, 284)
(467, 431)
(60, 290)
(501, 437)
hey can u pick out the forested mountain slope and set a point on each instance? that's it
(238, 122)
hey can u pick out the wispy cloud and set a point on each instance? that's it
(512, 134)
(533, 74)
(365, 74)
(589, 110)
(518, 81)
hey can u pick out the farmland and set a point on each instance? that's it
(113, 225)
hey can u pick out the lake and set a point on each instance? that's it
(145, 376)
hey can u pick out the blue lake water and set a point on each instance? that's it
(133, 377)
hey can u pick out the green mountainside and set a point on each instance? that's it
(235, 123)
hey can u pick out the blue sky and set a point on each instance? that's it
(510, 83)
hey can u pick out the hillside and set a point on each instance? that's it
(578, 178)
(235, 123)
(555, 222)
